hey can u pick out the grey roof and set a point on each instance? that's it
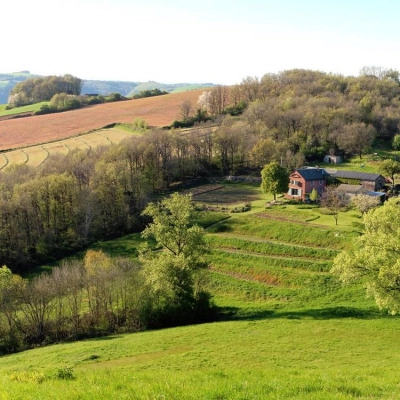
(377, 194)
(364, 176)
(312, 174)
(354, 189)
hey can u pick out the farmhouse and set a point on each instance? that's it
(304, 180)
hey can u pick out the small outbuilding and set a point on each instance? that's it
(333, 159)
(351, 190)
(370, 181)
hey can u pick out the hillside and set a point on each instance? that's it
(130, 88)
(9, 80)
(290, 330)
(156, 111)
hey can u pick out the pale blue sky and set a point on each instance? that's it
(218, 41)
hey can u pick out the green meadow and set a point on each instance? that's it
(17, 110)
(288, 329)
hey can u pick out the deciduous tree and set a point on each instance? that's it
(390, 167)
(274, 179)
(375, 260)
(171, 272)
(364, 202)
(334, 201)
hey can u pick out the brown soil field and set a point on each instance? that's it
(225, 195)
(156, 111)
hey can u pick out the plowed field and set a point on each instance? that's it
(156, 111)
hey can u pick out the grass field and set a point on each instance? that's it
(20, 110)
(290, 329)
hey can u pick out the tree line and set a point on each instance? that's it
(98, 295)
(35, 90)
(299, 116)
(305, 114)
(71, 201)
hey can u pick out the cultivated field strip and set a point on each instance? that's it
(293, 232)
(259, 245)
(252, 260)
(114, 135)
(157, 111)
(37, 155)
(255, 264)
(16, 157)
(236, 286)
(3, 161)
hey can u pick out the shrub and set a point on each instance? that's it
(45, 109)
(65, 373)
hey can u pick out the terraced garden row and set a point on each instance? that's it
(253, 260)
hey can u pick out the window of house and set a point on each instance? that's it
(295, 192)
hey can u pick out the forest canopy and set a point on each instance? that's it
(35, 90)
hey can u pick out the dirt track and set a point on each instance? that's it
(156, 111)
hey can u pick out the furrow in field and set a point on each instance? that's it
(235, 241)
(4, 161)
(272, 256)
(35, 155)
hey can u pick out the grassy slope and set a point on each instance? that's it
(18, 110)
(299, 335)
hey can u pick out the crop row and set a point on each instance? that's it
(37, 155)
(270, 270)
(287, 232)
(268, 247)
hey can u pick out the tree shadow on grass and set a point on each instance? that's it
(232, 313)
(103, 338)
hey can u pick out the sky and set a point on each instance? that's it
(207, 41)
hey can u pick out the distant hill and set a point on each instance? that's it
(9, 80)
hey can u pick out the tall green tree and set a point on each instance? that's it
(171, 271)
(274, 179)
(375, 260)
(396, 142)
(391, 168)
